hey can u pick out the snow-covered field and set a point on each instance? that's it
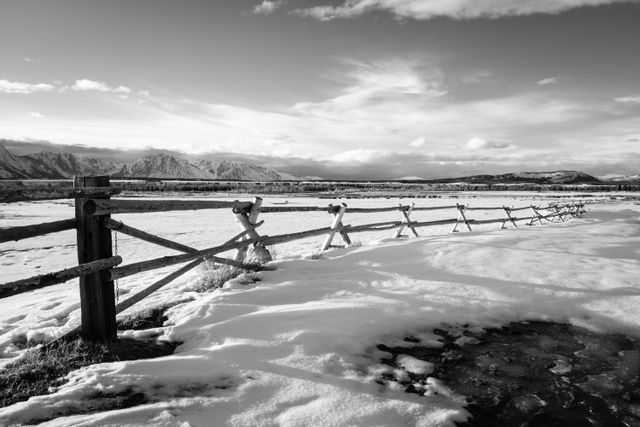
(298, 347)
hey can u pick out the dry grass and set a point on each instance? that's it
(41, 370)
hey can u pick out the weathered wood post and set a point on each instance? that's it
(461, 217)
(248, 223)
(338, 213)
(406, 218)
(508, 218)
(97, 297)
(536, 216)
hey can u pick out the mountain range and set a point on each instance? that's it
(51, 165)
(61, 165)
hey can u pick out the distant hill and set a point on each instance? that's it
(50, 165)
(633, 179)
(556, 177)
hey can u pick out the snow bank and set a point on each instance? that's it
(299, 347)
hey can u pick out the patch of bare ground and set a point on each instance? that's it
(41, 370)
(530, 374)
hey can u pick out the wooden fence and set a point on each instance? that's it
(98, 267)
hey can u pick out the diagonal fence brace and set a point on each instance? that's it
(462, 219)
(249, 222)
(508, 218)
(536, 216)
(336, 226)
(406, 213)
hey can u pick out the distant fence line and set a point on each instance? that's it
(98, 267)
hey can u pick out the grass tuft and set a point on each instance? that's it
(41, 370)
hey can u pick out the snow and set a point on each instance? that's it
(413, 365)
(299, 346)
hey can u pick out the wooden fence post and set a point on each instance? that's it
(536, 216)
(406, 217)
(337, 222)
(461, 216)
(248, 223)
(97, 297)
(508, 218)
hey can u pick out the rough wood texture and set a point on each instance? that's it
(97, 296)
(143, 235)
(26, 231)
(104, 207)
(44, 280)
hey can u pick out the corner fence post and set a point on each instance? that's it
(97, 297)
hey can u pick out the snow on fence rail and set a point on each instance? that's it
(98, 267)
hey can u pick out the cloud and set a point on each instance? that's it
(92, 85)
(549, 81)
(28, 59)
(483, 144)
(633, 140)
(456, 9)
(36, 115)
(267, 7)
(629, 99)
(476, 77)
(418, 142)
(7, 86)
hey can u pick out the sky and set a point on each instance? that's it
(358, 89)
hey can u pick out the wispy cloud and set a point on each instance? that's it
(29, 59)
(92, 85)
(7, 86)
(418, 142)
(456, 9)
(628, 99)
(483, 144)
(549, 81)
(36, 115)
(268, 6)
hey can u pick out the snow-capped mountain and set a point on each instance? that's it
(162, 166)
(12, 166)
(67, 165)
(50, 165)
(228, 169)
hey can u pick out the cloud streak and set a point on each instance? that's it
(456, 9)
(7, 86)
(92, 85)
(267, 7)
(549, 81)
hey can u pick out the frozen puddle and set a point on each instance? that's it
(526, 374)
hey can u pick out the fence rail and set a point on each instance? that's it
(98, 268)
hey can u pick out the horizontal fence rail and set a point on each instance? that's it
(26, 231)
(94, 226)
